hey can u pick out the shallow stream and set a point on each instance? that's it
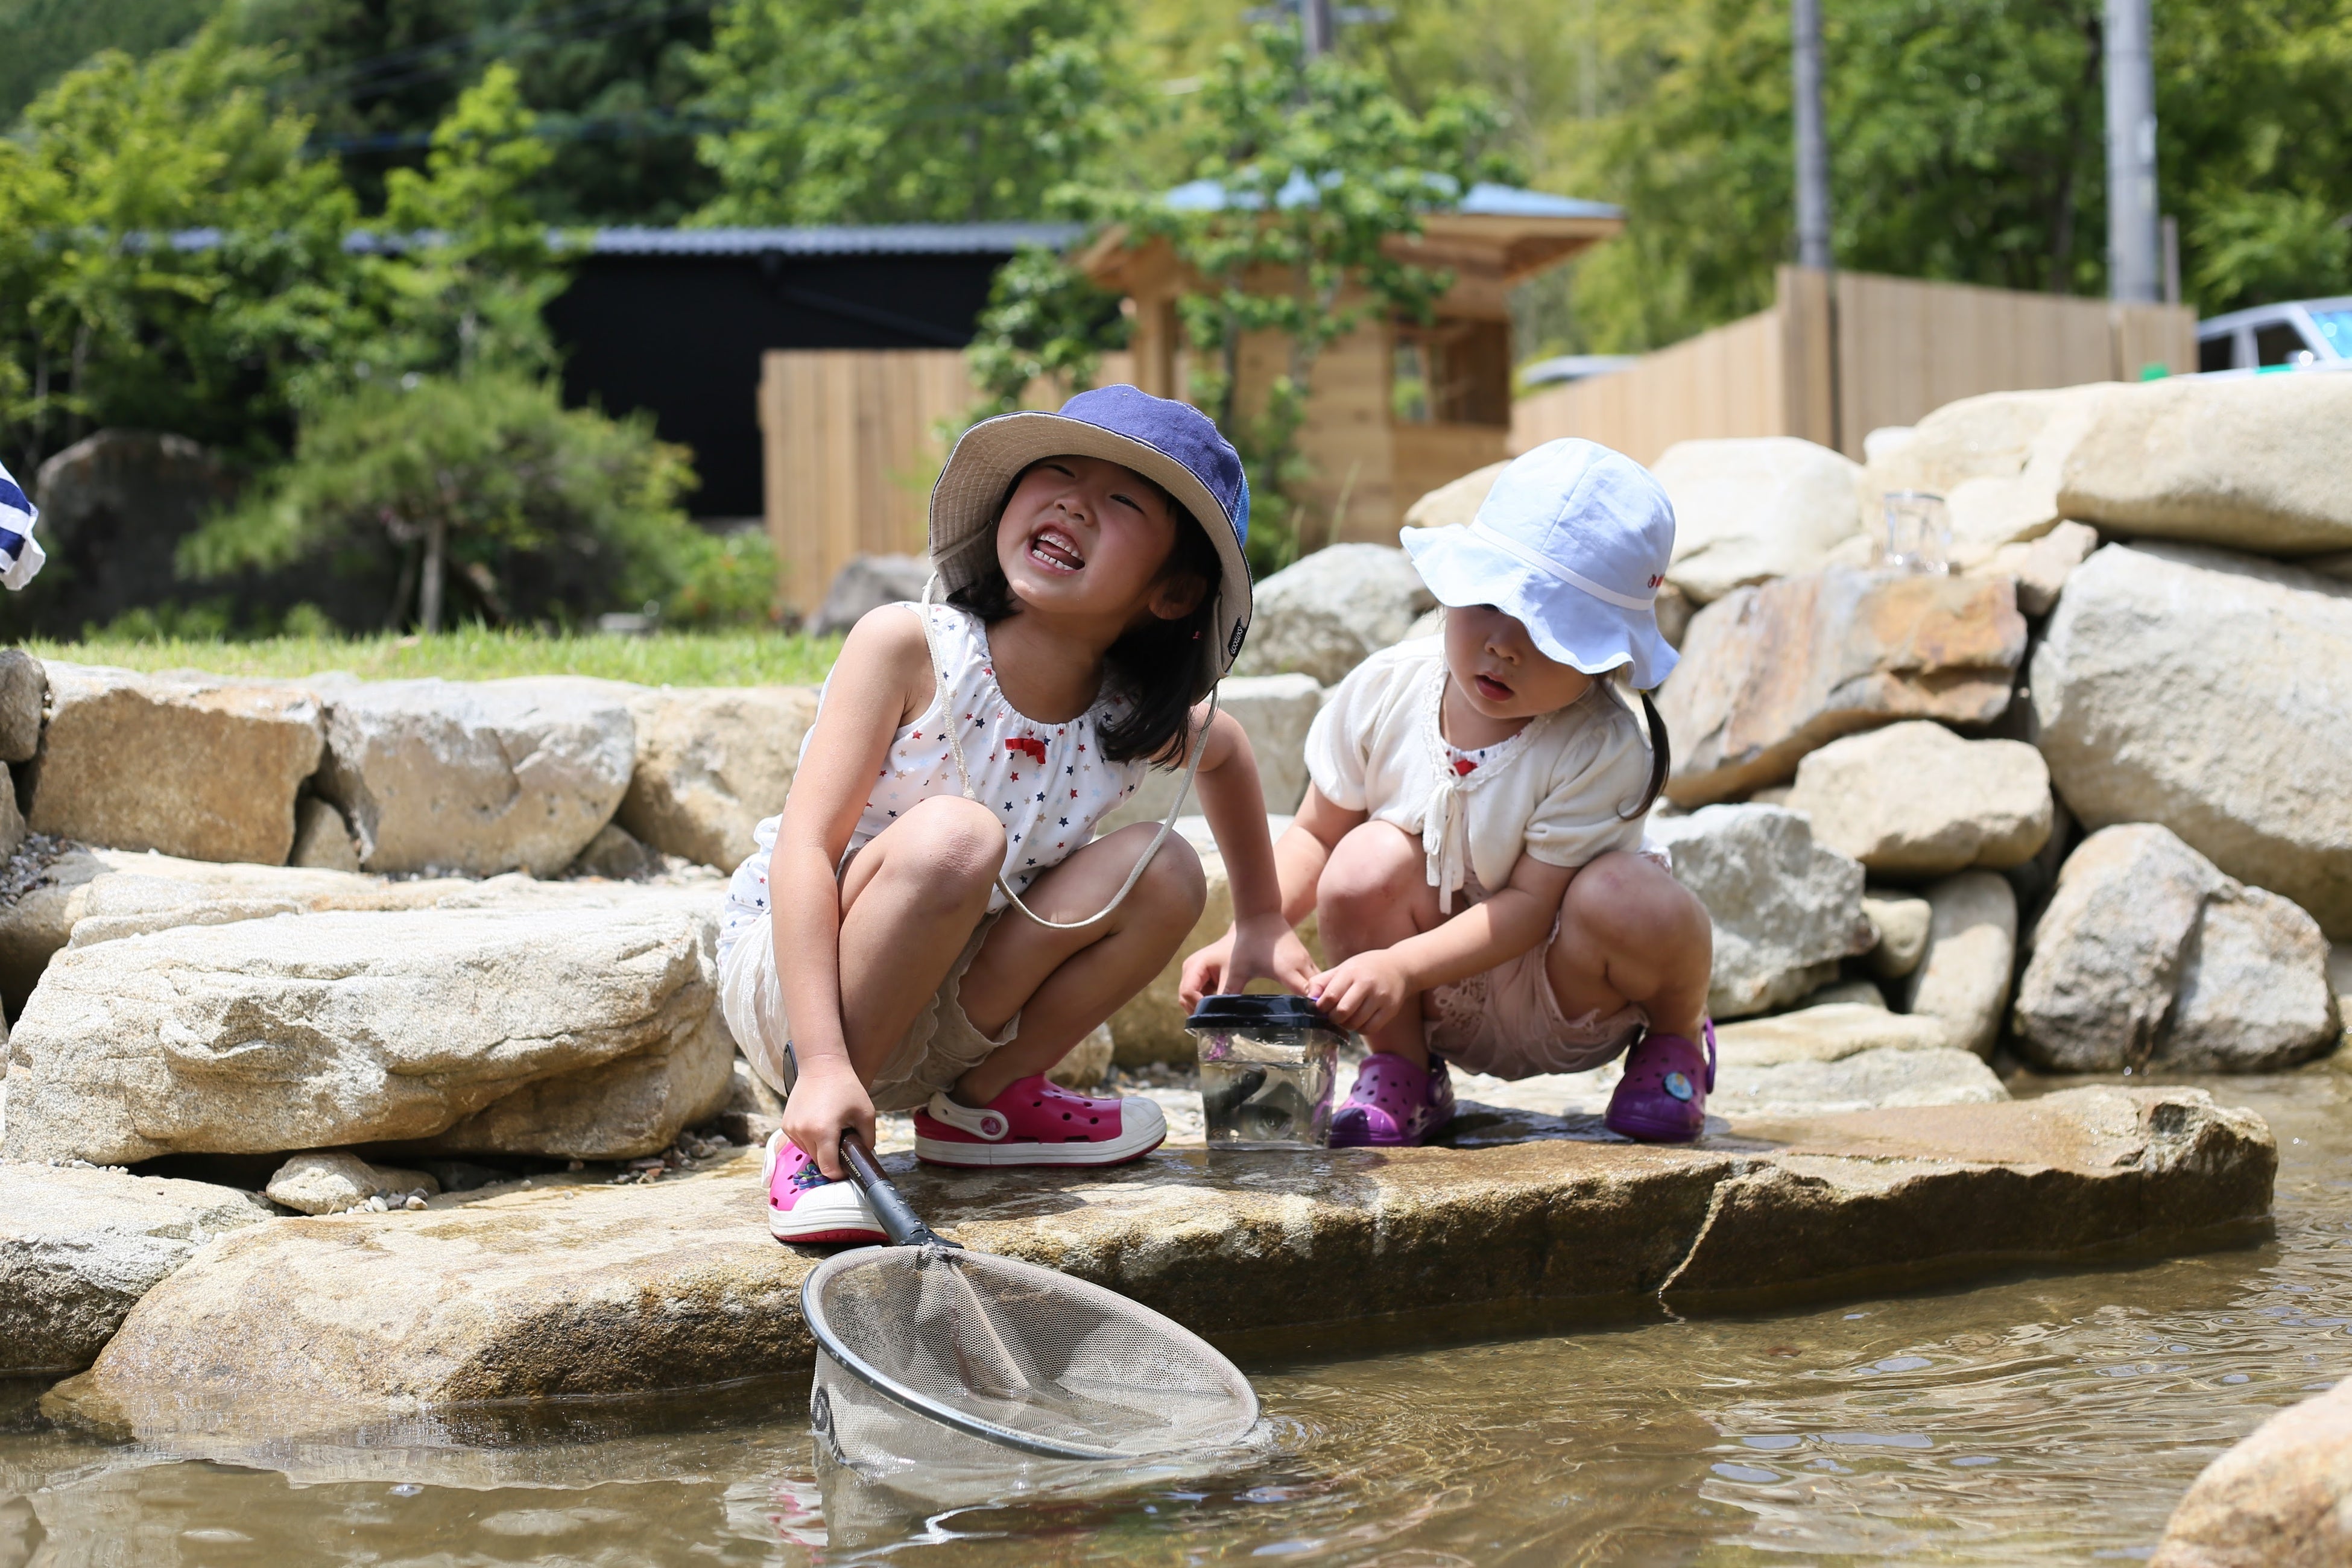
(2043, 1419)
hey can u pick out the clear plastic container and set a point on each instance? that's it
(1266, 1067)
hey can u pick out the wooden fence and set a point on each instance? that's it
(852, 439)
(1901, 348)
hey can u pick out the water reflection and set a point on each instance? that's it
(2051, 1420)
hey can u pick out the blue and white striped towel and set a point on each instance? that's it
(20, 553)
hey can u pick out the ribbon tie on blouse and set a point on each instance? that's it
(1445, 833)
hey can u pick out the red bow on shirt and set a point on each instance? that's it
(1030, 746)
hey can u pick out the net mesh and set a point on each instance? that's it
(1003, 1358)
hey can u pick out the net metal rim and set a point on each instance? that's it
(830, 1341)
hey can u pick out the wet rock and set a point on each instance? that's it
(78, 1248)
(2255, 464)
(1275, 711)
(329, 1180)
(1455, 501)
(477, 777)
(23, 687)
(2041, 567)
(711, 762)
(1332, 611)
(1996, 459)
(1771, 673)
(1915, 800)
(566, 1029)
(2147, 953)
(322, 840)
(1752, 508)
(2208, 692)
(868, 583)
(1902, 921)
(182, 763)
(2281, 1499)
(1963, 981)
(600, 1290)
(1785, 910)
(1863, 1080)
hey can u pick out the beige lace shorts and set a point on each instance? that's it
(938, 1047)
(1506, 1022)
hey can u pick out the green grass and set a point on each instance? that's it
(666, 658)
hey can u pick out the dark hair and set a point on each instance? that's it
(1661, 759)
(1153, 669)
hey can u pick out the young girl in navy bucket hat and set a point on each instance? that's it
(930, 925)
(1471, 842)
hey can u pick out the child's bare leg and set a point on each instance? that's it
(1374, 894)
(1063, 982)
(908, 904)
(1630, 933)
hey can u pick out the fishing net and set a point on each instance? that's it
(930, 1356)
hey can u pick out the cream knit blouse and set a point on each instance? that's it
(1554, 790)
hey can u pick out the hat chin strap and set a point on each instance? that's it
(1167, 825)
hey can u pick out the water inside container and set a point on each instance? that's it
(1269, 1089)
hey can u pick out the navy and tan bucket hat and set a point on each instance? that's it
(1172, 444)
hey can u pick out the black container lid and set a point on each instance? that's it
(1246, 1010)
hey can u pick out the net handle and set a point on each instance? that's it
(900, 1222)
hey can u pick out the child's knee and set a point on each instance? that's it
(955, 842)
(1625, 901)
(1373, 868)
(1175, 881)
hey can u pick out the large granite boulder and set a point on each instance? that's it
(1771, 673)
(1273, 712)
(1915, 800)
(1750, 508)
(114, 507)
(182, 764)
(1456, 501)
(1962, 983)
(711, 762)
(2041, 566)
(1785, 910)
(79, 1246)
(2281, 1499)
(1331, 611)
(2149, 954)
(551, 1027)
(1996, 459)
(868, 583)
(2256, 464)
(2211, 693)
(477, 777)
(23, 693)
(605, 1290)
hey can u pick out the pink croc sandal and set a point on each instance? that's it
(806, 1208)
(1394, 1104)
(1662, 1097)
(1034, 1123)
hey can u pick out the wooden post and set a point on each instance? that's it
(1808, 400)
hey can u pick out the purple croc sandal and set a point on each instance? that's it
(1394, 1104)
(1662, 1097)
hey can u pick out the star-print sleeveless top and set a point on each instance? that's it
(1047, 783)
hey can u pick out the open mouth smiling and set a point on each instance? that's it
(1056, 551)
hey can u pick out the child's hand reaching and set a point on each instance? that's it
(1261, 946)
(826, 1099)
(1364, 992)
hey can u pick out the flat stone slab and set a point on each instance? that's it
(612, 1292)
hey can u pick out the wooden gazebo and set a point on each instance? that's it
(1396, 408)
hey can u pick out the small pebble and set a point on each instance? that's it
(572, 1166)
(414, 1201)
(376, 1203)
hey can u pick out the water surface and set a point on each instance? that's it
(2042, 1419)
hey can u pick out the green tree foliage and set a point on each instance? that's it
(1317, 166)
(610, 81)
(914, 110)
(46, 38)
(168, 259)
(482, 488)
(1045, 320)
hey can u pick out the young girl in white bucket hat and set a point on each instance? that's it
(1471, 842)
(930, 925)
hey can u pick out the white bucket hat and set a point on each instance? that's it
(1573, 543)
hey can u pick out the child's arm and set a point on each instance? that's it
(1366, 991)
(1260, 941)
(882, 678)
(1297, 864)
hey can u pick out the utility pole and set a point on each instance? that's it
(1812, 137)
(2135, 271)
(1314, 25)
